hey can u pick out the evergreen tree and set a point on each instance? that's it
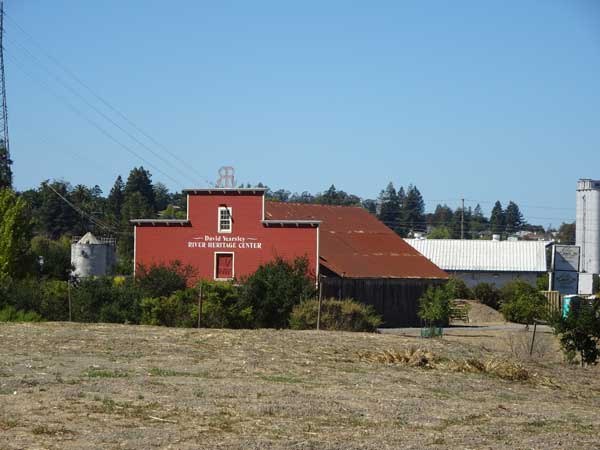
(54, 217)
(514, 218)
(370, 205)
(162, 196)
(140, 181)
(497, 219)
(414, 211)
(478, 221)
(389, 207)
(441, 217)
(116, 198)
(5, 169)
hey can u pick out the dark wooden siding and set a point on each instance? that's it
(396, 300)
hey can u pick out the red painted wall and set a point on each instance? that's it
(251, 242)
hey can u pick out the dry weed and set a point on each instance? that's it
(416, 357)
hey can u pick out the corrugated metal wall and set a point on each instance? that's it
(396, 300)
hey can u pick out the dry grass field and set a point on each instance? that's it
(80, 386)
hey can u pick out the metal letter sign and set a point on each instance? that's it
(566, 282)
(226, 177)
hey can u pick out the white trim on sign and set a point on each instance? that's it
(232, 266)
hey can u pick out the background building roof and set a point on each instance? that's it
(478, 255)
(354, 244)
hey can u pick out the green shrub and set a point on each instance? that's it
(521, 302)
(487, 294)
(56, 256)
(221, 306)
(176, 310)
(274, 289)
(457, 289)
(162, 280)
(54, 300)
(580, 331)
(102, 299)
(435, 305)
(10, 314)
(340, 315)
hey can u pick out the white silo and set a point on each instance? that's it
(587, 234)
(92, 256)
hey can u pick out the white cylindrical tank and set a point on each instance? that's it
(587, 227)
(91, 257)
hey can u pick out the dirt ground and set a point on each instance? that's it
(80, 386)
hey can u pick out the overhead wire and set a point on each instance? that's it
(107, 104)
(81, 114)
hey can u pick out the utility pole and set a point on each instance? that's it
(462, 219)
(5, 161)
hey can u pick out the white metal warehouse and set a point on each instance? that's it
(495, 262)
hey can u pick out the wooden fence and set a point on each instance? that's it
(554, 302)
(395, 300)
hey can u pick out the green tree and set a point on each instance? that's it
(389, 207)
(498, 219)
(274, 289)
(15, 236)
(566, 234)
(116, 198)
(521, 302)
(580, 331)
(440, 232)
(414, 210)
(478, 223)
(54, 257)
(435, 306)
(514, 218)
(140, 182)
(5, 169)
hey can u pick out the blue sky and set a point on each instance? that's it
(482, 100)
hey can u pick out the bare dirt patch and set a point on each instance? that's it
(77, 386)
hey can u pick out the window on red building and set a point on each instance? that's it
(223, 266)
(225, 221)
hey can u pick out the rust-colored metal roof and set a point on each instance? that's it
(354, 244)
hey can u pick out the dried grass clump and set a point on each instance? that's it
(414, 357)
(417, 357)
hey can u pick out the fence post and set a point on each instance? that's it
(69, 294)
(200, 306)
(320, 303)
(533, 337)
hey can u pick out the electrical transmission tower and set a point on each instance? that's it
(5, 162)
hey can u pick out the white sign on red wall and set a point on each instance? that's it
(224, 242)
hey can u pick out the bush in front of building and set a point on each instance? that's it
(162, 280)
(176, 310)
(435, 306)
(579, 331)
(10, 314)
(274, 289)
(101, 299)
(520, 302)
(487, 294)
(222, 308)
(456, 288)
(336, 315)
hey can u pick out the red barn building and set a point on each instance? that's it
(229, 233)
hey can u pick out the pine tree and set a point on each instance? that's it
(498, 219)
(514, 218)
(414, 211)
(140, 180)
(389, 207)
(116, 198)
(6, 175)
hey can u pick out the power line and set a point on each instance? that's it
(106, 103)
(78, 112)
(95, 109)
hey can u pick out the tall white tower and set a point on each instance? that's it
(587, 235)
